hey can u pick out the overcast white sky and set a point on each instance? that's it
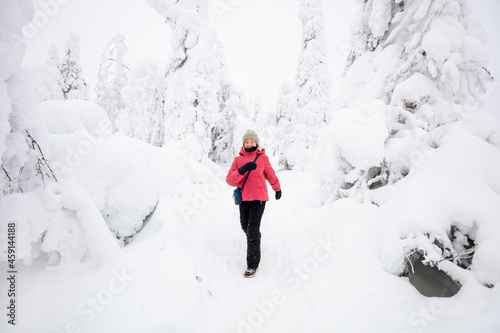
(261, 37)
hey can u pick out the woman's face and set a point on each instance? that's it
(250, 143)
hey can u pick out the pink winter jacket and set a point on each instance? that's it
(255, 187)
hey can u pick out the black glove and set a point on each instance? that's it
(278, 195)
(247, 167)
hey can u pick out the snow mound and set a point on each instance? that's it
(351, 149)
(413, 92)
(446, 206)
(107, 186)
(360, 133)
(123, 176)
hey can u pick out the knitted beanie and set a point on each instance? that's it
(252, 136)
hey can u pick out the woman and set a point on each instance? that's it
(254, 194)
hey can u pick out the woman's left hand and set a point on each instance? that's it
(278, 195)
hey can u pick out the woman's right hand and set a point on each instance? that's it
(247, 167)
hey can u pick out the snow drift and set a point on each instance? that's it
(133, 237)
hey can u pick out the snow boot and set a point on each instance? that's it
(250, 272)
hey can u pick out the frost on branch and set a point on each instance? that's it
(23, 138)
(112, 78)
(73, 84)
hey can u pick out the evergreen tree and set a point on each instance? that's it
(415, 66)
(143, 116)
(313, 76)
(225, 144)
(194, 76)
(46, 78)
(54, 74)
(283, 105)
(112, 78)
(284, 137)
(72, 82)
(257, 112)
(231, 106)
(54, 60)
(311, 109)
(23, 139)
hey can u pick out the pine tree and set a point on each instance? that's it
(53, 60)
(23, 140)
(284, 138)
(313, 76)
(46, 77)
(112, 78)
(143, 116)
(53, 64)
(283, 104)
(231, 106)
(194, 76)
(73, 84)
(257, 112)
(437, 39)
(419, 65)
(311, 110)
(225, 144)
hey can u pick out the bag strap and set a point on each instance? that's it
(248, 173)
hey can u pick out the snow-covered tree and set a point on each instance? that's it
(282, 135)
(143, 117)
(112, 78)
(414, 67)
(194, 76)
(284, 100)
(73, 84)
(46, 78)
(311, 111)
(224, 143)
(258, 116)
(54, 64)
(23, 140)
(440, 39)
(313, 76)
(54, 59)
(231, 106)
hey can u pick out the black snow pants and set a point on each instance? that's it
(250, 216)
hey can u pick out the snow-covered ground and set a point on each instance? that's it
(320, 273)
(136, 238)
(324, 268)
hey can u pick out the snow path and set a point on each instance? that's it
(183, 273)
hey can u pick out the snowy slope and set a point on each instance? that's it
(324, 269)
(320, 272)
(333, 268)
